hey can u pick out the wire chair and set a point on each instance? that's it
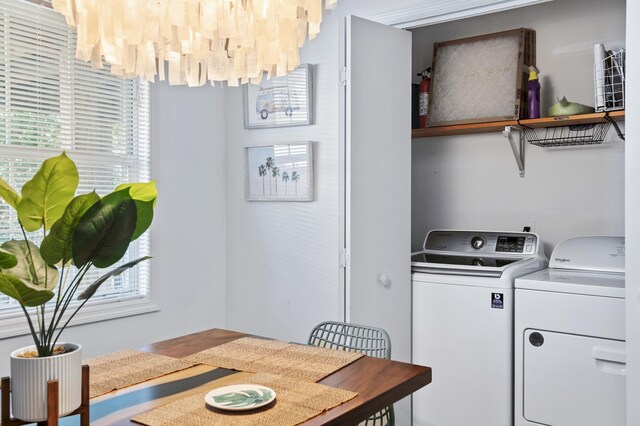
(370, 341)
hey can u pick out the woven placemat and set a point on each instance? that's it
(125, 368)
(273, 356)
(238, 354)
(304, 362)
(296, 401)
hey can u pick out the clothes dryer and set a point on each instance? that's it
(570, 337)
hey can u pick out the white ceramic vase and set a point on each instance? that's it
(29, 377)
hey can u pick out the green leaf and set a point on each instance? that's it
(25, 295)
(145, 194)
(30, 267)
(141, 191)
(46, 195)
(7, 260)
(104, 231)
(242, 398)
(57, 245)
(91, 290)
(9, 194)
(145, 217)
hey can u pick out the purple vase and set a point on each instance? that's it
(533, 97)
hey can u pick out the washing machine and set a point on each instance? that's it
(462, 323)
(570, 337)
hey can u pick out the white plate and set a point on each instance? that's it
(240, 397)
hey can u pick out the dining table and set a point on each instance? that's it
(377, 382)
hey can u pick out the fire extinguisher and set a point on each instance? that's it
(423, 97)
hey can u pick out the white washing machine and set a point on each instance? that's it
(463, 324)
(570, 337)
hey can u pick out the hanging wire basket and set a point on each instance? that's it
(609, 79)
(580, 134)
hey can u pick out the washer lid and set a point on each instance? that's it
(575, 282)
(593, 253)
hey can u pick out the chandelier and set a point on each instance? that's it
(199, 40)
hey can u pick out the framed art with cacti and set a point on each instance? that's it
(282, 172)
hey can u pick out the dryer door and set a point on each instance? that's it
(573, 380)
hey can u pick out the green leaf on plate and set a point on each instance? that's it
(243, 398)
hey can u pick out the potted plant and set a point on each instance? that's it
(76, 232)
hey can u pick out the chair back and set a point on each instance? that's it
(371, 341)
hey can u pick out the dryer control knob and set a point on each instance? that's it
(536, 339)
(478, 242)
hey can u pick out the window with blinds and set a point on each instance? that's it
(51, 102)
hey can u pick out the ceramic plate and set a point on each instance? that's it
(240, 397)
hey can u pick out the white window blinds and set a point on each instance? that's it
(50, 102)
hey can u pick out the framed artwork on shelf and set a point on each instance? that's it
(282, 172)
(280, 101)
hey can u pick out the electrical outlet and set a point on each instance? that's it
(528, 224)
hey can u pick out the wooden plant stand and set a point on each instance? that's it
(52, 403)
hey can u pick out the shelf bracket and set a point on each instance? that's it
(615, 126)
(518, 148)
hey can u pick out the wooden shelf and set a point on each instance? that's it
(571, 120)
(498, 126)
(462, 129)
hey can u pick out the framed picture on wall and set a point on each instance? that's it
(282, 172)
(280, 101)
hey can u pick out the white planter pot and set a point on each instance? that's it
(29, 377)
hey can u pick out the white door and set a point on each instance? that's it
(376, 176)
(573, 380)
(376, 132)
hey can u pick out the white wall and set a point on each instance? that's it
(472, 181)
(632, 213)
(188, 231)
(282, 258)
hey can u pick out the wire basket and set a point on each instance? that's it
(581, 134)
(609, 81)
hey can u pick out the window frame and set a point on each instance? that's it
(12, 319)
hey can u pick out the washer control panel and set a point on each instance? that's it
(510, 244)
(467, 242)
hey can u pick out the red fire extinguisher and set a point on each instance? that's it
(423, 97)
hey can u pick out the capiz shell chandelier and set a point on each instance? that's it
(216, 40)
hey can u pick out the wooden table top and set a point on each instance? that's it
(378, 382)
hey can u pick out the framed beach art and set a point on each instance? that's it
(280, 101)
(282, 172)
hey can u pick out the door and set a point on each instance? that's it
(376, 129)
(573, 380)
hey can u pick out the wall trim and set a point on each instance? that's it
(421, 13)
(14, 323)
